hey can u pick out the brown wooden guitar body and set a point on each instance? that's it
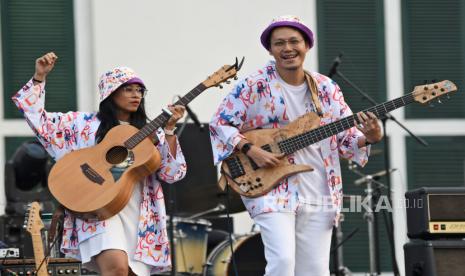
(258, 181)
(79, 192)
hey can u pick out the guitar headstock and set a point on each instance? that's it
(32, 222)
(223, 74)
(428, 92)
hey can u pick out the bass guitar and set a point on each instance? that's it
(247, 179)
(97, 182)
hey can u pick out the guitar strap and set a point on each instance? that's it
(312, 84)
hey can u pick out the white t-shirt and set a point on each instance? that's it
(312, 187)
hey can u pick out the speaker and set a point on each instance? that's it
(14, 235)
(435, 258)
(198, 191)
(436, 212)
(55, 266)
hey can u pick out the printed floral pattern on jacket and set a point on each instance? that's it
(257, 102)
(61, 133)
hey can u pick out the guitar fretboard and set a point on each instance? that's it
(161, 119)
(303, 140)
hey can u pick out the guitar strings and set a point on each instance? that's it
(161, 119)
(300, 141)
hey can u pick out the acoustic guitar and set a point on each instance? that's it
(33, 224)
(97, 182)
(247, 179)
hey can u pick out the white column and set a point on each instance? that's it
(86, 81)
(397, 152)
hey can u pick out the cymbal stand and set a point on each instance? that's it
(369, 216)
(219, 207)
(172, 209)
(338, 255)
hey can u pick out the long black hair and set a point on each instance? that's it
(107, 115)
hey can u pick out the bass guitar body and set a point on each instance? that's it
(97, 182)
(249, 180)
(246, 178)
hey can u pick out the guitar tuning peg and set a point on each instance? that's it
(439, 101)
(220, 86)
(235, 77)
(433, 80)
(228, 82)
(431, 105)
(447, 96)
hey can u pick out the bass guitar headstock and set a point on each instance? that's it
(427, 92)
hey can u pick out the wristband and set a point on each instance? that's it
(246, 147)
(169, 131)
(367, 142)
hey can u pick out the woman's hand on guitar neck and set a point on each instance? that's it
(264, 158)
(44, 65)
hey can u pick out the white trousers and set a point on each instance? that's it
(297, 244)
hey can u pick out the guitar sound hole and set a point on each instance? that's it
(117, 155)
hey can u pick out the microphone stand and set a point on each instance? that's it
(388, 218)
(173, 208)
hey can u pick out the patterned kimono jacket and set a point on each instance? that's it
(61, 133)
(257, 102)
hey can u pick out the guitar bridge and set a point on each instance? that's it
(91, 174)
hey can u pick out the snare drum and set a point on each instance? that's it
(248, 253)
(190, 239)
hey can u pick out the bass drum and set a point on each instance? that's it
(190, 238)
(248, 253)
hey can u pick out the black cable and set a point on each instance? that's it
(389, 223)
(171, 207)
(228, 204)
(49, 248)
(344, 240)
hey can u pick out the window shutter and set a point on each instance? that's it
(356, 28)
(441, 164)
(29, 30)
(434, 43)
(12, 143)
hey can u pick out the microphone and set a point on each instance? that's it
(334, 66)
(193, 117)
(374, 176)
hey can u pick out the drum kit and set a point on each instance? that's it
(201, 250)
